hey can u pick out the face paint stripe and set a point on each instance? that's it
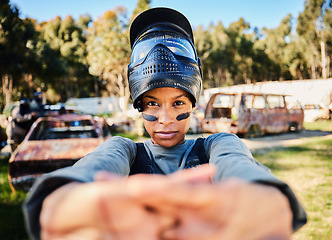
(152, 118)
(149, 118)
(183, 116)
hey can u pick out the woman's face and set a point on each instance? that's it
(166, 114)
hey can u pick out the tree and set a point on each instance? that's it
(109, 52)
(70, 59)
(203, 44)
(275, 42)
(142, 5)
(294, 59)
(67, 39)
(220, 56)
(314, 27)
(230, 56)
(241, 46)
(14, 36)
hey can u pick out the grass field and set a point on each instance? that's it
(306, 168)
(11, 217)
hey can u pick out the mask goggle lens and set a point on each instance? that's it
(177, 43)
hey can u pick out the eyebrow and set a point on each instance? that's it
(148, 96)
(179, 96)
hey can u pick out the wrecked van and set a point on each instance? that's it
(251, 114)
(54, 142)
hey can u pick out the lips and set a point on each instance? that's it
(166, 134)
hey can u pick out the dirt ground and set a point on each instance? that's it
(278, 140)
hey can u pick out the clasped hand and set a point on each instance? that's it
(183, 205)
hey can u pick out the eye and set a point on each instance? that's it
(151, 104)
(178, 103)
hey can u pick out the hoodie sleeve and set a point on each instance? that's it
(234, 159)
(115, 155)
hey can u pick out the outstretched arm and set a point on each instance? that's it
(183, 205)
(113, 207)
(231, 209)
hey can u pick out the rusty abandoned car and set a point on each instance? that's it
(54, 142)
(251, 114)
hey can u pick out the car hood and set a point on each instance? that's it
(73, 148)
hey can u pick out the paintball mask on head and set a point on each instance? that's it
(163, 55)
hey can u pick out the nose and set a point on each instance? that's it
(165, 116)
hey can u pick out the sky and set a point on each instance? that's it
(259, 13)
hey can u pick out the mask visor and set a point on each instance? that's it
(177, 43)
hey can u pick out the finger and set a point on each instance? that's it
(126, 218)
(144, 183)
(202, 173)
(192, 226)
(187, 195)
(204, 199)
(75, 207)
(147, 182)
(141, 183)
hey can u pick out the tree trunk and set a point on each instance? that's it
(123, 104)
(123, 92)
(28, 79)
(7, 88)
(324, 60)
(210, 77)
(96, 86)
(313, 68)
(66, 87)
(299, 74)
(328, 59)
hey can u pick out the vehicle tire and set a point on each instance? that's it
(254, 131)
(293, 127)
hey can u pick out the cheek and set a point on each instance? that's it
(186, 124)
(149, 126)
(183, 116)
(183, 125)
(149, 118)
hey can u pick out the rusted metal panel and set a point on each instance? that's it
(52, 143)
(72, 148)
(250, 114)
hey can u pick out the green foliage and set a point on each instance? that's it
(275, 44)
(141, 6)
(109, 52)
(314, 29)
(15, 56)
(67, 39)
(85, 57)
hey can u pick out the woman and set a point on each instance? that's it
(111, 193)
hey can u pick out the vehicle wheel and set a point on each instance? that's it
(293, 127)
(254, 131)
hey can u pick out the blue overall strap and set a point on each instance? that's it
(197, 155)
(143, 163)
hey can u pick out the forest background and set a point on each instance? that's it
(88, 57)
